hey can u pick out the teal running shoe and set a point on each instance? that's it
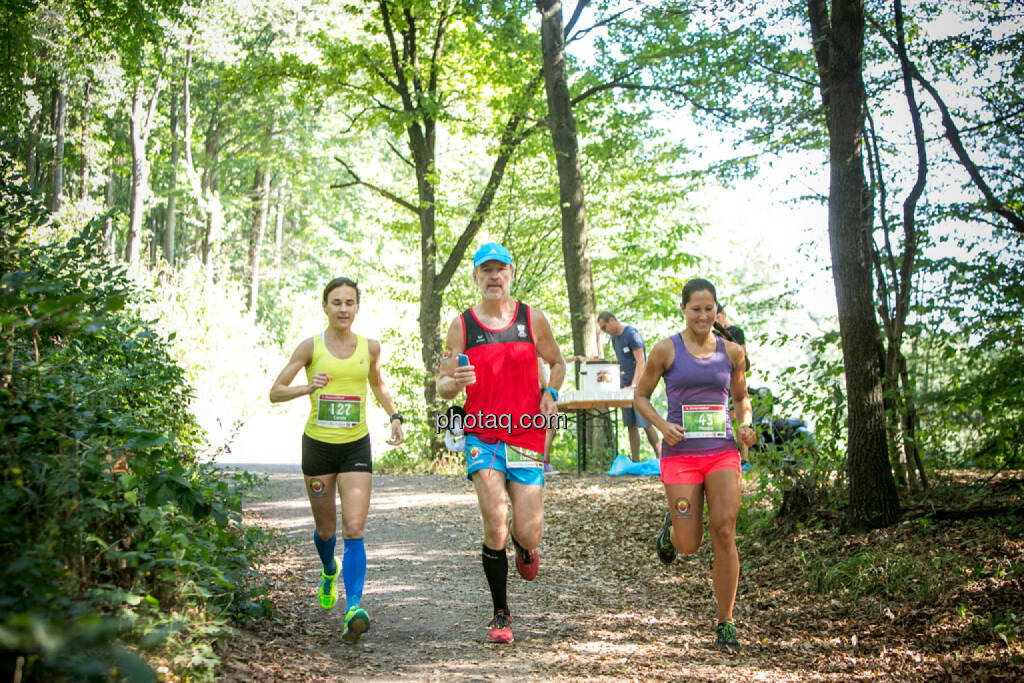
(727, 637)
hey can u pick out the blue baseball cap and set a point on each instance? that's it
(492, 251)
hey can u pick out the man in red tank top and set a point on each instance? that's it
(506, 417)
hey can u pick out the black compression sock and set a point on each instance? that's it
(496, 571)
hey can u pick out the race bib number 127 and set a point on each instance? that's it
(333, 410)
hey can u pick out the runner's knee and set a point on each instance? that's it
(687, 545)
(325, 529)
(495, 535)
(352, 529)
(528, 536)
(723, 532)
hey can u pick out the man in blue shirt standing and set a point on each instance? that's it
(632, 357)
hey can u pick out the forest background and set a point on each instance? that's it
(189, 175)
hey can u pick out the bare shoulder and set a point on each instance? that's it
(735, 352)
(455, 340)
(539, 321)
(662, 353)
(373, 346)
(537, 315)
(304, 351)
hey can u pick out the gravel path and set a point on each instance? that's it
(602, 607)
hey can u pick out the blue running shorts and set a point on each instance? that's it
(526, 467)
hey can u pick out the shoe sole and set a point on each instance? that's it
(519, 563)
(357, 626)
(666, 557)
(527, 574)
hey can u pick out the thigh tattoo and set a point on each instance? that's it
(682, 507)
(317, 488)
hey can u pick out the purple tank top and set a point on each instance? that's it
(699, 388)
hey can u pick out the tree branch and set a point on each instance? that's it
(511, 137)
(580, 6)
(604, 22)
(442, 27)
(821, 39)
(721, 114)
(910, 203)
(356, 180)
(993, 203)
(401, 84)
(406, 160)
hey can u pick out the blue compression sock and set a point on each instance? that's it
(326, 551)
(353, 571)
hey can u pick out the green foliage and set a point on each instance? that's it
(111, 522)
(814, 392)
(967, 362)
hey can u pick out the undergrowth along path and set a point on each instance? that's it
(602, 606)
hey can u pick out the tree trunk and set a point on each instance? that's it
(35, 125)
(211, 190)
(575, 248)
(140, 125)
(838, 47)
(282, 189)
(139, 179)
(111, 239)
(155, 221)
(260, 199)
(911, 423)
(83, 145)
(60, 120)
(171, 218)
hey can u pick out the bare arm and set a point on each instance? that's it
(301, 357)
(641, 363)
(381, 392)
(547, 349)
(452, 378)
(740, 398)
(660, 359)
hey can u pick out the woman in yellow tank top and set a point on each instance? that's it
(336, 452)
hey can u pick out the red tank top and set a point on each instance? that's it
(506, 384)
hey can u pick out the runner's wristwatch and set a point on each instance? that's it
(397, 416)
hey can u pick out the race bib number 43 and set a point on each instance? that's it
(705, 422)
(333, 410)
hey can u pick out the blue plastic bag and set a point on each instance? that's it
(623, 465)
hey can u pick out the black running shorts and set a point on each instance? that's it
(320, 458)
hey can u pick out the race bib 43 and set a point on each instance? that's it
(705, 422)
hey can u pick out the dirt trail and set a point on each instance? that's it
(602, 607)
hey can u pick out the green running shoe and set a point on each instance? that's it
(727, 637)
(357, 622)
(663, 541)
(328, 591)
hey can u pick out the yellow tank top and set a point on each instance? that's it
(338, 410)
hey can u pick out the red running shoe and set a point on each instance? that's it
(527, 561)
(500, 628)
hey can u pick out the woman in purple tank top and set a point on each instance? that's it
(699, 459)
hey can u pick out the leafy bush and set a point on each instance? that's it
(113, 531)
(797, 473)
